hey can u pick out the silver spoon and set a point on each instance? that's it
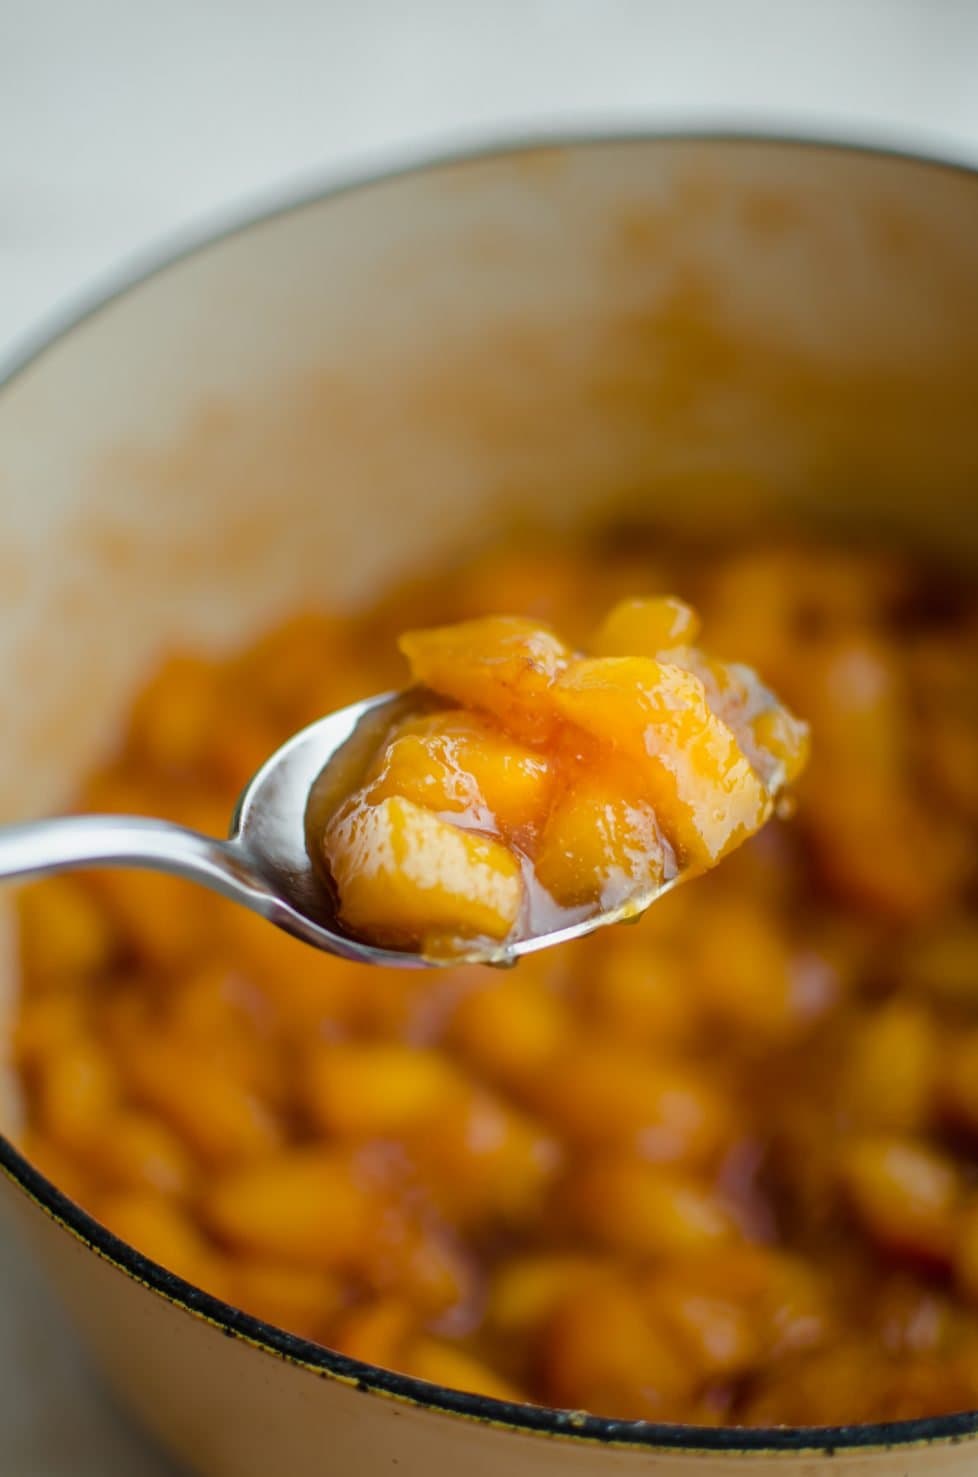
(265, 864)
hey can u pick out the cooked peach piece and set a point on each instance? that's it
(460, 762)
(662, 626)
(526, 1290)
(646, 627)
(777, 733)
(371, 1088)
(66, 931)
(424, 771)
(487, 1160)
(511, 1027)
(404, 873)
(608, 1098)
(774, 740)
(706, 794)
(601, 1346)
(503, 665)
(905, 1194)
(625, 1205)
(600, 845)
(302, 1208)
(140, 1153)
(406, 1253)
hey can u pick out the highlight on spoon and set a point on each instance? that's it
(523, 792)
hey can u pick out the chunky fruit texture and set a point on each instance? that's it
(721, 1168)
(564, 786)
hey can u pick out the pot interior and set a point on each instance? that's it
(717, 333)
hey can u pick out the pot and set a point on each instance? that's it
(697, 330)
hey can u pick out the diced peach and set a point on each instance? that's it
(527, 1289)
(783, 737)
(376, 1088)
(300, 669)
(47, 1026)
(302, 1208)
(422, 770)
(704, 791)
(603, 1352)
(793, 1305)
(742, 972)
(216, 1015)
(164, 920)
(213, 1110)
(460, 762)
(905, 1194)
(645, 627)
(882, 852)
(719, 1334)
(600, 845)
(78, 1095)
(304, 987)
(738, 1305)
(638, 1209)
(894, 1069)
(503, 665)
(511, 1028)
(487, 1161)
(403, 873)
(64, 930)
(139, 1153)
(605, 1095)
(846, 1383)
(774, 740)
(543, 582)
(175, 713)
(634, 991)
(413, 1257)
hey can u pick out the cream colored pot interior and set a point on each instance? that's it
(307, 407)
(690, 330)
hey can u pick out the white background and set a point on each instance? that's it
(125, 123)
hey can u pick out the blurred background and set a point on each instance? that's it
(128, 127)
(126, 123)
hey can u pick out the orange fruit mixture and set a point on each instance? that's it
(720, 1167)
(565, 787)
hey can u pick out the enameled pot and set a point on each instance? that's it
(712, 331)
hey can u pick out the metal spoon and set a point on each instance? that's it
(265, 864)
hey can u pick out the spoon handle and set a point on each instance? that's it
(39, 848)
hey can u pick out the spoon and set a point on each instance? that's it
(265, 864)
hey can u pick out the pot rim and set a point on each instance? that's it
(326, 1363)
